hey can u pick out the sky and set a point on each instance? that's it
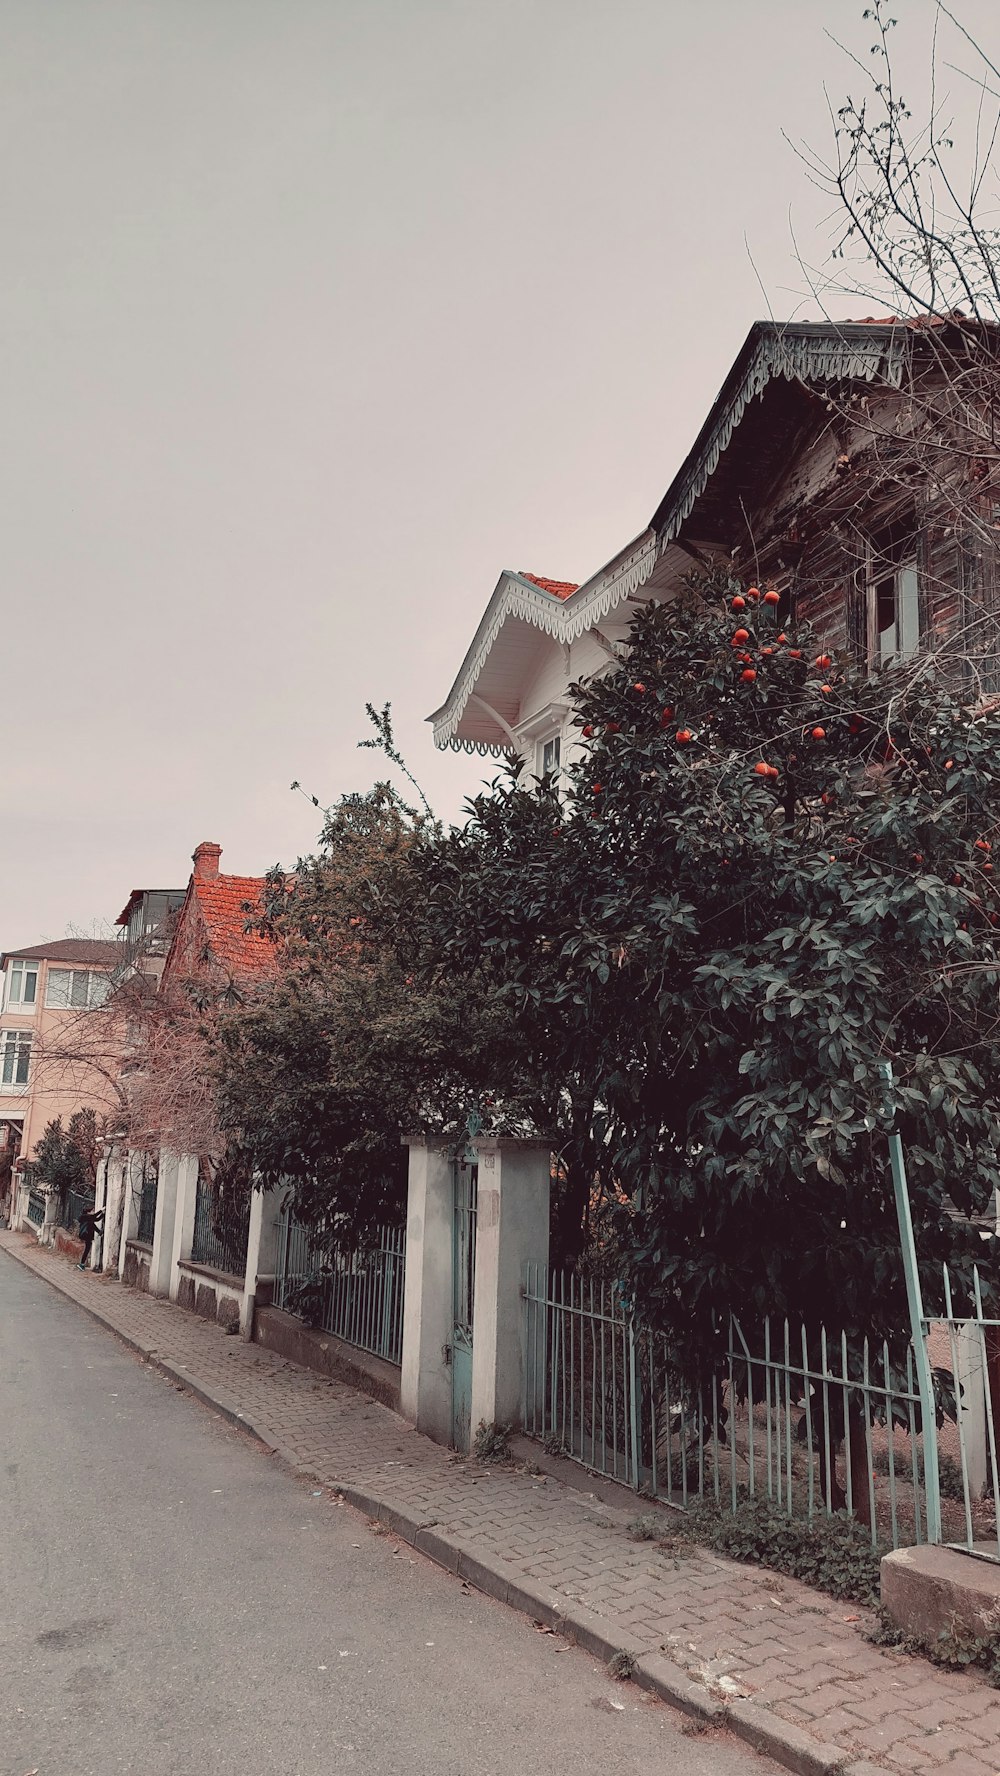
(316, 315)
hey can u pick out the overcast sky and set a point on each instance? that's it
(316, 314)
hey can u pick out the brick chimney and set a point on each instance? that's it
(206, 861)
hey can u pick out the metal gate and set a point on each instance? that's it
(466, 1174)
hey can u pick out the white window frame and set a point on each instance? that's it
(20, 969)
(899, 640)
(551, 745)
(15, 1043)
(91, 995)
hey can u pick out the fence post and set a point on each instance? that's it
(425, 1383)
(262, 1255)
(925, 1387)
(512, 1231)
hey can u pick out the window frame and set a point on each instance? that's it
(21, 968)
(15, 1042)
(89, 1002)
(893, 562)
(554, 769)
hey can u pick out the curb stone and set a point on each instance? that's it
(785, 1743)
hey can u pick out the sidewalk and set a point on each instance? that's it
(782, 1666)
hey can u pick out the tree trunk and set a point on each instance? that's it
(833, 1493)
(861, 1498)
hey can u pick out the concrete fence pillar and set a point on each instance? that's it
(113, 1197)
(184, 1209)
(132, 1173)
(161, 1262)
(53, 1207)
(425, 1387)
(262, 1255)
(512, 1230)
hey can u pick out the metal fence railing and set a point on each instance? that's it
(36, 1207)
(76, 1203)
(794, 1416)
(354, 1295)
(147, 1204)
(221, 1230)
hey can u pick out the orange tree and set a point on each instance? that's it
(770, 872)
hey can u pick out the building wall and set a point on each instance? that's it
(57, 1084)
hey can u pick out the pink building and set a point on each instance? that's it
(47, 1066)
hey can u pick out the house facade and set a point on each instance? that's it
(810, 472)
(173, 1229)
(48, 1068)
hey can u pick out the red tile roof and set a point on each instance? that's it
(222, 900)
(558, 588)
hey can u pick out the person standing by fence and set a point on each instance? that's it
(91, 1223)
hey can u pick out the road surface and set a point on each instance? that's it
(173, 1602)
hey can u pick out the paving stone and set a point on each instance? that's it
(563, 1555)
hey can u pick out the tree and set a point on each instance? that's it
(773, 872)
(321, 1077)
(66, 1158)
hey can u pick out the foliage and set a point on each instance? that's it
(309, 1298)
(833, 1554)
(321, 1077)
(706, 965)
(954, 1648)
(66, 1158)
(492, 1442)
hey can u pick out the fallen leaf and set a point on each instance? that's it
(852, 1618)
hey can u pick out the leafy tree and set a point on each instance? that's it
(67, 1158)
(322, 1076)
(772, 873)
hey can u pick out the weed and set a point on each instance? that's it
(623, 1666)
(648, 1528)
(955, 1648)
(492, 1442)
(833, 1554)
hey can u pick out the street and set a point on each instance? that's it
(171, 1600)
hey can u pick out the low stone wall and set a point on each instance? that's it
(210, 1294)
(68, 1244)
(283, 1333)
(926, 1590)
(135, 1270)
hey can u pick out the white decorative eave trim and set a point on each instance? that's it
(565, 619)
(798, 353)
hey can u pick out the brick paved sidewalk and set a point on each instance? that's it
(781, 1665)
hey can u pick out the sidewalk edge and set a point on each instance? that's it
(785, 1743)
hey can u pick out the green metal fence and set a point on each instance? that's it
(36, 1207)
(354, 1295)
(796, 1417)
(221, 1230)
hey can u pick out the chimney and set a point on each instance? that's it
(206, 861)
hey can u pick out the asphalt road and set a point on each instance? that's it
(171, 1601)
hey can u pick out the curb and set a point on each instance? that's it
(779, 1740)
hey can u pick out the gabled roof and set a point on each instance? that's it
(807, 352)
(93, 950)
(558, 588)
(222, 902)
(222, 907)
(797, 351)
